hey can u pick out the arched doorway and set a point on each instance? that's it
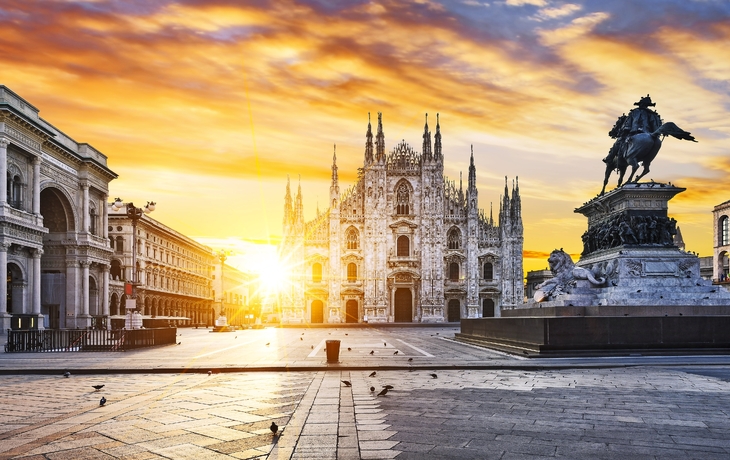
(15, 285)
(351, 313)
(317, 311)
(454, 311)
(488, 308)
(56, 211)
(113, 303)
(403, 306)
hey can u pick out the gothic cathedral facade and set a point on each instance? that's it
(403, 244)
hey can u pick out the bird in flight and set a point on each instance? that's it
(268, 343)
(372, 374)
(274, 427)
(347, 383)
(102, 401)
(97, 387)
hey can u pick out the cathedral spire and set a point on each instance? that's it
(334, 167)
(426, 141)
(380, 141)
(287, 203)
(299, 208)
(437, 155)
(369, 143)
(516, 204)
(472, 172)
(491, 219)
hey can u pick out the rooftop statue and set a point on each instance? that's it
(638, 137)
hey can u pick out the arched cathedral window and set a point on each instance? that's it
(351, 272)
(454, 271)
(353, 238)
(488, 271)
(403, 248)
(316, 272)
(724, 227)
(14, 190)
(402, 200)
(454, 238)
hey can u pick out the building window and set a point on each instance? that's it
(120, 245)
(351, 272)
(724, 237)
(14, 190)
(316, 273)
(454, 238)
(454, 271)
(403, 249)
(353, 238)
(402, 200)
(92, 221)
(488, 271)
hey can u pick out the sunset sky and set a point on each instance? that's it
(206, 106)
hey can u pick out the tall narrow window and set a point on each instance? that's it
(120, 244)
(316, 273)
(724, 237)
(402, 200)
(403, 246)
(353, 239)
(351, 272)
(92, 221)
(488, 271)
(454, 271)
(454, 238)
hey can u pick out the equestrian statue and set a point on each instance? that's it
(638, 137)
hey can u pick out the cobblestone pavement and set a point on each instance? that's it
(618, 413)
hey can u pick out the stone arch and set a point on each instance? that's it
(57, 211)
(352, 238)
(114, 304)
(403, 192)
(453, 238)
(16, 282)
(116, 272)
(723, 231)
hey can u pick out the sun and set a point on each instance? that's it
(272, 276)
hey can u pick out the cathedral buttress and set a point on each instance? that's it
(335, 239)
(472, 241)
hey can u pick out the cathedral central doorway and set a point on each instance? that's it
(403, 306)
(317, 312)
(351, 315)
(454, 312)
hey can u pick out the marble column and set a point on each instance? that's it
(36, 296)
(3, 171)
(105, 290)
(36, 185)
(85, 207)
(71, 314)
(85, 287)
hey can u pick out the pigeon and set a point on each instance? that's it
(349, 348)
(372, 389)
(312, 347)
(301, 338)
(347, 383)
(235, 337)
(372, 352)
(268, 343)
(396, 352)
(97, 387)
(67, 374)
(210, 372)
(102, 401)
(346, 333)
(384, 392)
(372, 374)
(434, 376)
(388, 387)
(179, 343)
(385, 344)
(302, 333)
(410, 359)
(274, 427)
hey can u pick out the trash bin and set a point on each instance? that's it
(333, 351)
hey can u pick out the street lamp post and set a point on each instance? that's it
(134, 213)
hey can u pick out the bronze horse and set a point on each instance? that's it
(640, 148)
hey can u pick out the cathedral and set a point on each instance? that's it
(403, 244)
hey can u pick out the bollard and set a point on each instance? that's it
(333, 351)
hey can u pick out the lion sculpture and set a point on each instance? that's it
(565, 275)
